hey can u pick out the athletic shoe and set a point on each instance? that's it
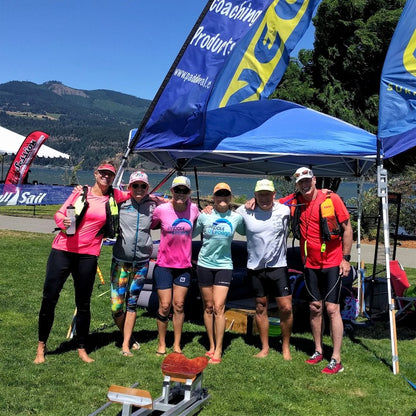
(333, 367)
(316, 358)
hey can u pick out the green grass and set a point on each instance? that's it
(240, 385)
(38, 211)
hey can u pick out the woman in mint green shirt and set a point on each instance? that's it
(215, 266)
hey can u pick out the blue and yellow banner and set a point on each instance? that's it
(259, 60)
(237, 52)
(397, 107)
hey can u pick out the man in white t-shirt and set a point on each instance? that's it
(266, 229)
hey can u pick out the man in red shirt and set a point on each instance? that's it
(326, 262)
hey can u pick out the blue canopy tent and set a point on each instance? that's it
(271, 137)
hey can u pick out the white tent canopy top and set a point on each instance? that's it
(10, 143)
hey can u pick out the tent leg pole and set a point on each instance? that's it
(383, 194)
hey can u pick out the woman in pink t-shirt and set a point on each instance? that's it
(172, 273)
(77, 255)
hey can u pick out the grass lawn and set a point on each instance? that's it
(240, 385)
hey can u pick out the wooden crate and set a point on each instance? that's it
(243, 321)
(239, 320)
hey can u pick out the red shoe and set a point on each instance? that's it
(333, 367)
(316, 358)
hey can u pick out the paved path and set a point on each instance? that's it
(406, 256)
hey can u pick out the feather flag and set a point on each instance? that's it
(19, 168)
(397, 113)
(237, 51)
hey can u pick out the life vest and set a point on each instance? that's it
(329, 226)
(111, 226)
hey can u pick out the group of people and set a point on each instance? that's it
(101, 211)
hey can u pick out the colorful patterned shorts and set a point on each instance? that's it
(127, 280)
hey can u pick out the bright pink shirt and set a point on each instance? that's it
(175, 235)
(85, 239)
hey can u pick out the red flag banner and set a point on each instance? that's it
(24, 157)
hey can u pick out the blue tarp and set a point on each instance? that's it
(272, 137)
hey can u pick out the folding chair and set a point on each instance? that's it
(399, 284)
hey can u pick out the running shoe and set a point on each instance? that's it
(333, 367)
(316, 358)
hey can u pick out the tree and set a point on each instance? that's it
(341, 76)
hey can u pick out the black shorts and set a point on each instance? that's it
(210, 277)
(323, 284)
(272, 281)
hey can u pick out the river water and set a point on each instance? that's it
(240, 185)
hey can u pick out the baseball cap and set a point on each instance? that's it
(264, 185)
(107, 166)
(181, 181)
(138, 176)
(303, 173)
(220, 186)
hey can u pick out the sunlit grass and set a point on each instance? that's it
(240, 385)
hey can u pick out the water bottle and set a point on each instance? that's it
(70, 213)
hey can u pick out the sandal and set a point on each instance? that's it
(214, 360)
(161, 354)
(126, 353)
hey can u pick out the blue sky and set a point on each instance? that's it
(121, 45)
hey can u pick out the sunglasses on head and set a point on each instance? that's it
(304, 172)
(182, 191)
(139, 185)
(222, 192)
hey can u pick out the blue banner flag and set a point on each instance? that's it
(231, 56)
(34, 194)
(397, 107)
(259, 60)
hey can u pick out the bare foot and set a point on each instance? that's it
(286, 355)
(263, 353)
(40, 353)
(84, 356)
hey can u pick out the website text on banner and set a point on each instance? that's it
(238, 53)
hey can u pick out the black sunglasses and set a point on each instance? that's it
(139, 185)
(183, 191)
(222, 192)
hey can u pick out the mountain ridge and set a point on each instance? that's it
(90, 125)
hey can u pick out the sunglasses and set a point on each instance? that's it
(139, 185)
(182, 191)
(304, 172)
(223, 192)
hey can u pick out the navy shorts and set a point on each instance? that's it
(210, 277)
(166, 277)
(272, 281)
(323, 284)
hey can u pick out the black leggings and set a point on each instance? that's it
(83, 268)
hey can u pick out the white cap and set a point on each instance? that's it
(181, 181)
(303, 173)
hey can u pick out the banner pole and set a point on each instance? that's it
(136, 137)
